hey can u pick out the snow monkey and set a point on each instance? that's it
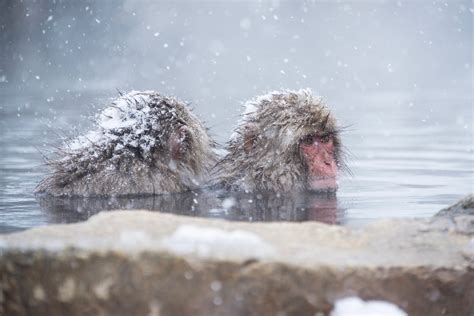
(143, 143)
(286, 141)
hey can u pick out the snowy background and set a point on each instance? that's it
(220, 53)
(398, 73)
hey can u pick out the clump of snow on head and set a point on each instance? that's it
(120, 115)
(127, 123)
(354, 306)
(217, 243)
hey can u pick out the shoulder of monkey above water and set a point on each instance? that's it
(285, 141)
(142, 143)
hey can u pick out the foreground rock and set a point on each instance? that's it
(144, 263)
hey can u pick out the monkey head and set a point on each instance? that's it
(285, 141)
(143, 143)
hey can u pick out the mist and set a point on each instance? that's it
(219, 52)
(396, 74)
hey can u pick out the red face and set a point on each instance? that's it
(318, 152)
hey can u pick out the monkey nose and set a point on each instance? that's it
(328, 158)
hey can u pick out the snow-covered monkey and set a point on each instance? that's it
(143, 143)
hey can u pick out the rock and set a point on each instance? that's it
(463, 207)
(458, 217)
(148, 263)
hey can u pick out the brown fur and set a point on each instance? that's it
(263, 154)
(134, 159)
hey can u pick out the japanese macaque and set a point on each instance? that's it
(144, 144)
(286, 141)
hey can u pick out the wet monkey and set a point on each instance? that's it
(143, 143)
(286, 141)
(146, 143)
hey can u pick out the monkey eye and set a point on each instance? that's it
(308, 139)
(325, 138)
(311, 138)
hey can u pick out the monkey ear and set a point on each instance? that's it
(250, 136)
(179, 142)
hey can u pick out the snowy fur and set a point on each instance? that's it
(278, 121)
(128, 151)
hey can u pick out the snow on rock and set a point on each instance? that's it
(470, 246)
(49, 244)
(134, 240)
(217, 243)
(354, 306)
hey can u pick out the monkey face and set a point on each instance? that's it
(286, 141)
(318, 155)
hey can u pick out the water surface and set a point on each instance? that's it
(410, 156)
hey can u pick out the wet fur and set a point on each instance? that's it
(264, 153)
(118, 168)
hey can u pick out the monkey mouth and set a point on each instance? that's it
(322, 184)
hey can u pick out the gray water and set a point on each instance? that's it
(398, 74)
(410, 156)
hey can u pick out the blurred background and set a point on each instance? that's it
(398, 73)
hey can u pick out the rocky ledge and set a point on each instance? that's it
(148, 263)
